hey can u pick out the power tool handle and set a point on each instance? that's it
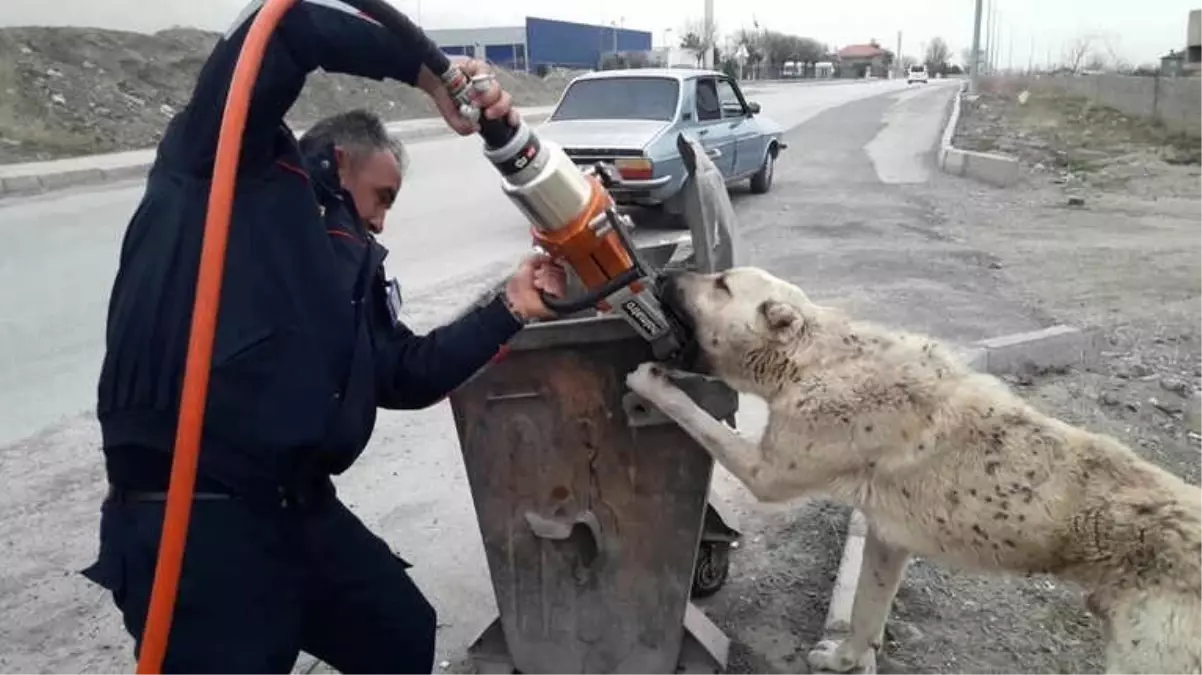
(563, 306)
(496, 133)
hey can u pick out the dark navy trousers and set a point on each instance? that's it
(260, 583)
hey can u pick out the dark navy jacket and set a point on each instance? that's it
(305, 349)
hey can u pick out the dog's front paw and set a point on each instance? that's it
(648, 380)
(835, 656)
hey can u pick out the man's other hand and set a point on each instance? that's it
(537, 274)
(493, 104)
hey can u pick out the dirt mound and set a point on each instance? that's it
(74, 91)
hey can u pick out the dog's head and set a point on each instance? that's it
(748, 325)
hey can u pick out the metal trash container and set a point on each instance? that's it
(591, 513)
(592, 506)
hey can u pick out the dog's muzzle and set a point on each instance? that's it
(668, 291)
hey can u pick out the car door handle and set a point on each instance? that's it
(703, 132)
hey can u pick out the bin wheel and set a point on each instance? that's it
(713, 567)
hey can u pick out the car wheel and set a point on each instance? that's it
(761, 182)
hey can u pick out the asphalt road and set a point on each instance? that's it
(451, 233)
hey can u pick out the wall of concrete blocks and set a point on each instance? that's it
(1175, 102)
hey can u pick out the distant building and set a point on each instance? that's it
(867, 60)
(1193, 42)
(676, 57)
(1172, 64)
(543, 43)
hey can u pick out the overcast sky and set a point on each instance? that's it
(1139, 32)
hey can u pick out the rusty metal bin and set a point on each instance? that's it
(592, 506)
(591, 511)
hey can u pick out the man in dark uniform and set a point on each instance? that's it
(309, 344)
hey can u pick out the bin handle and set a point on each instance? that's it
(561, 530)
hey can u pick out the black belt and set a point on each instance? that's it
(119, 496)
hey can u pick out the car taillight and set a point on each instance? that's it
(634, 168)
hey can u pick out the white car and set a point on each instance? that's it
(917, 73)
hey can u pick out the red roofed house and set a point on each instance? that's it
(860, 60)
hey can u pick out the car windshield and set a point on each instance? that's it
(619, 98)
(917, 69)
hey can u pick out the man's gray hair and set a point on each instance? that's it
(359, 132)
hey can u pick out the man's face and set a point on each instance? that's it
(373, 183)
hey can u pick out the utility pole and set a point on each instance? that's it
(988, 36)
(975, 65)
(1010, 54)
(1031, 57)
(709, 34)
(898, 66)
(996, 33)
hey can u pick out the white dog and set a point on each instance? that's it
(944, 462)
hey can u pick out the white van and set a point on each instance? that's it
(917, 73)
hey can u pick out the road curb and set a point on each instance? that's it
(1048, 349)
(41, 183)
(994, 169)
(1051, 348)
(843, 594)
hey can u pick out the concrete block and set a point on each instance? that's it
(997, 170)
(62, 179)
(127, 172)
(974, 357)
(953, 161)
(1052, 348)
(20, 185)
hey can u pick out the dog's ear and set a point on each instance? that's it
(783, 319)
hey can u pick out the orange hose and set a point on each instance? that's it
(180, 491)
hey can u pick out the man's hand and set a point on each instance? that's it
(494, 103)
(537, 273)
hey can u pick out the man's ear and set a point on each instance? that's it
(784, 321)
(343, 161)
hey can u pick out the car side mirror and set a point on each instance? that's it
(753, 107)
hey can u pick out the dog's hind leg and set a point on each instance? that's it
(881, 573)
(1154, 632)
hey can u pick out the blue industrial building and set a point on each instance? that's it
(542, 43)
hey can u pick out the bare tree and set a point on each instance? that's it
(1116, 61)
(1076, 51)
(937, 56)
(1095, 62)
(698, 37)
